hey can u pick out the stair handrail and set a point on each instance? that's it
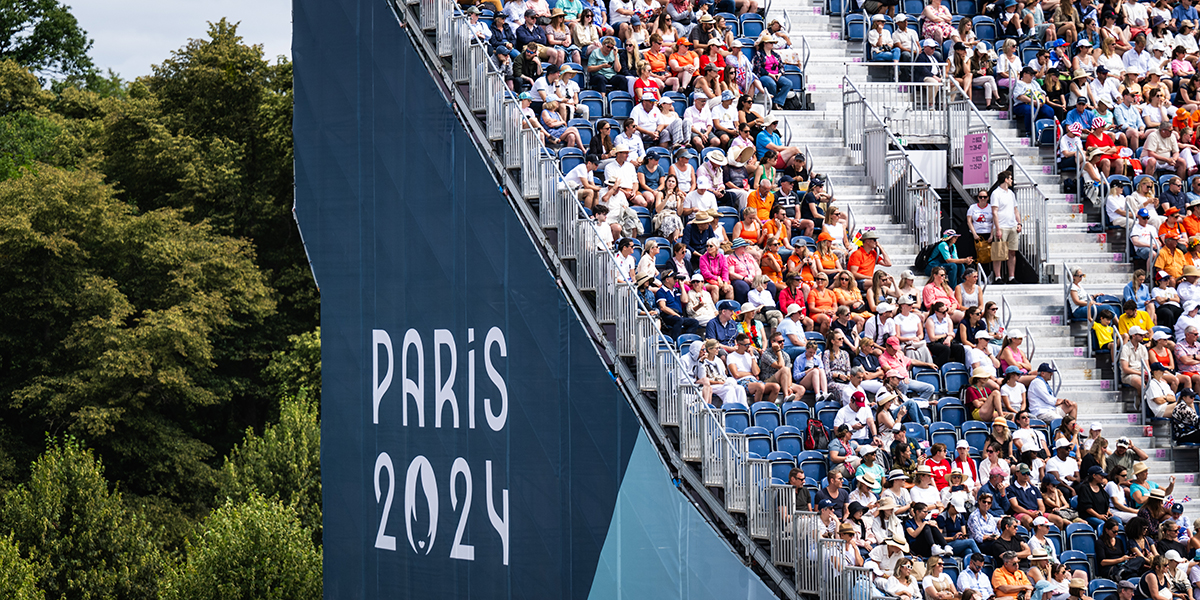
(1031, 201)
(616, 297)
(890, 170)
(1066, 283)
(1032, 345)
(1005, 312)
(1056, 380)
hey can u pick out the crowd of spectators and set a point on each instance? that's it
(892, 501)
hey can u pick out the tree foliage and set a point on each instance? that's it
(119, 324)
(67, 519)
(18, 576)
(44, 36)
(284, 463)
(254, 550)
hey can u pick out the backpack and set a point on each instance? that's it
(922, 261)
(815, 436)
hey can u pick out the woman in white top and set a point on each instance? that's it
(925, 491)
(1117, 206)
(1008, 64)
(835, 226)
(937, 584)
(885, 524)
(683, 171)
(1041, 528)
(1013, 391)
(849, 555)
(880, 40)
(902, 584)
(1159, 395)
(862, 492)
(969, 293)
(646, 266)
(895, 489)
(991, 460)
(909, 332)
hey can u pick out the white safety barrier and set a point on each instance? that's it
(758, 509)
(806, 530)
(737, 497)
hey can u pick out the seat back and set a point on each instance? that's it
(954, 377)
(952, 411)
(766, 415)
(1074, 559)
(827, 412)
(965, 8)
(943, 432)
(782, 464)
(1081, 537)
(914, 7)
(584, 127)
(817, 337)
(796, 418)
(985, 28)
(929, 376)
(758, 441)
(752, 25)
(620, 105)
(569, 158)
(915, 432)
(594, 101)
(678, 100)
(855, 28)
(789, 439)
(737, 416)
(813, 464)
(976, 434)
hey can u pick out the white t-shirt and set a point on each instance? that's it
(907, 325)
(1147, 232)
(544, 90)
(1006, 208)
(1114, 491)
(1113, 203)
(927, 496)
(1013, 393)
(625, 175)
(727, 117)
(646, 120)
(1030, 439)
(575, 177)
(744, 361)
(982, 218)
(1064, 468)
(697, 120)
(762, 298)
(700, 201)
(847, 416)
(980, 358)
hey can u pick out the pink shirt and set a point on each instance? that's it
(714, 268)
(931, 294)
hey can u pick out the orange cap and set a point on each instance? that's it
(824, 236)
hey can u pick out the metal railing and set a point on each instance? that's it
(911, 111)
(723, 458)
(806, 530)
(963, 119)
(890, 171)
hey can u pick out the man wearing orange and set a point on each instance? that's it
(1191, 223)
(761, 200)
(1172, 227)
(1009, 580)
(1170, 258)
(862, 262)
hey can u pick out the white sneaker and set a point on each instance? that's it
(939, 551)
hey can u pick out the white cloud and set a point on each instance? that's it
(132, 35)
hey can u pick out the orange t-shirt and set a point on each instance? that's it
(762, 205)
(848, 297)
(822, 301)
(829, 262)
(862, 262)
(1166, 229)
(684, 58)
(1191, 225)
(806, 273)
(1002, 577)
(779, 230)
(657, 60)
(750, 234)
(772, 266)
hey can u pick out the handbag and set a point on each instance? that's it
(983, 251)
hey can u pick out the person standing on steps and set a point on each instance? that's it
(1006, 218)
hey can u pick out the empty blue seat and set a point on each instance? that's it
(944, 433)
(620, 104)
(1055, 537)
(594, 101)
(644, 216)
(976, 433)
(855, 28)
(766, 415)
(1076, 560)
(796, 414)
(737, 416)
(952, 411)
(966, 8)
(1044, 132)
(813, 464)
(584, 127)
(954, 377)
(796, 76)
(913, 6)
(684, 343)
(928, 375)
(789, 439)
(752, 25)
(827, 412)
(758, 440)
(782, 464)
(1081, 537)
(985, 28)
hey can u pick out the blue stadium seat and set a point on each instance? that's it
(758, 440)
(684, 343)
(950, 567)
(594, 101)
(737, 416)
(584, 127)
(813, 464)
(664, 251)
(752, 25)
(728, 217)
(569, 158)
(766, 415)
(644, 216)
(915, 432)
(816, 337)
(954, 377)
(914, 7)
(678, 100)
(928, 375)
(1138, 181)
(827, 412)
(1076, 560)
(620, 104)
(796, 414)
(796, 76)
(966, 8)
(747, 47)
(1045, 132)
(1125, 183)
(976, 434)
(1103, 589)
(855, 28)
(952, 411)
(943, 432)
(1081, 537)
(789, 439)
(985, 28)
(782, 463)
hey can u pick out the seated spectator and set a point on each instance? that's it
(710, 368)
(808, 371)
(885, 559)
(1093, 500)
(953, 523)
(984, 526)
(1159, 397)
(939, 467)
(1167, 303)
(849, 556)
(834, 494)
(924, 491)
(974, 579)
(828, 520)
(937, 584)
(902, 584)
(862, 494)
(1134, 358)
(1086, 306)
(924, 537)
(1008, 580)
(698, 301)
(1025, 499)
(858, 418)
(1185, 425)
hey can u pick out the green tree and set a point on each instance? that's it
(285, 463)
(24, 139)
(18, 576)
(298, 368)
(44, 36)
(66, 518)
(121, 327)
(257, 549)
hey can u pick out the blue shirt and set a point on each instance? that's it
(671, 298)
(1085, 119)
(1027, 498)
(653, 177)
(764, 139)
(1180, 13)
(942, 253)
(1128, 116)
(1141, 295)
(724, 334)
(999, 502)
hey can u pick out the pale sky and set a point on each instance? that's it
(131, 35)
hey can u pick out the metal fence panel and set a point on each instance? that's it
(531, 153)
(691, 426)
(670, 390)
(831, 581)
(758, 483)
(496, 113)
(806, 528)
(626, 332)
(647, 360)
(460, 52)
(512, 133)
(783, 545)
(568, 208)
(713, 463)
(445, 9)
(736, 470)
(585, 255)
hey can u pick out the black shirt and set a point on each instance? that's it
(839, 503)
(1097, 501)
(802, 501)
(1000, 546)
